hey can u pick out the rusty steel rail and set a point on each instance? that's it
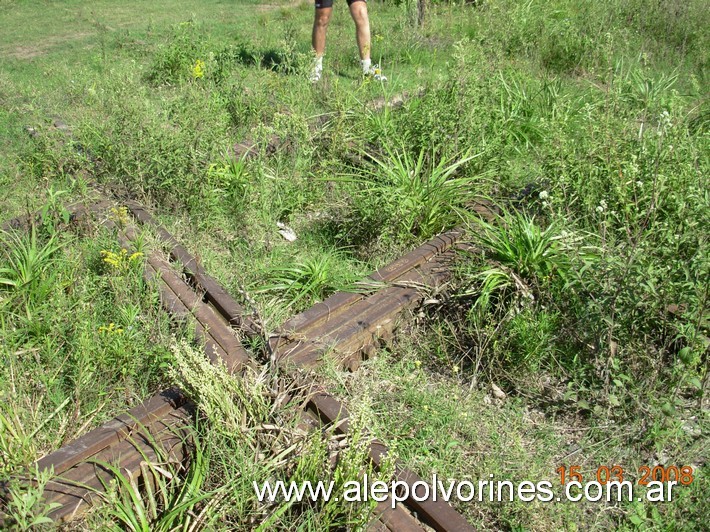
(216, 294)
(152, 431)
(437, 514)
(346, 326)
(180, 300)
(77, 211)
(155, 428)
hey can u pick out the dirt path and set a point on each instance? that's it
(30, 51)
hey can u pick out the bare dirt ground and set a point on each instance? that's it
(30, 51)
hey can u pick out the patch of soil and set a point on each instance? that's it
(29, 51)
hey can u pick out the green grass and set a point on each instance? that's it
(81, 339)
(589, 125)
(425, 411)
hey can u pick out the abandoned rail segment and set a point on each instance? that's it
(150, 432)
(342, 324)
(154, 429)
(75, 212)
(235, 313)
(346, 325)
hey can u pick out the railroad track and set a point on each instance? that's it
(347, 326)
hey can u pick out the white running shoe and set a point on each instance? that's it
(316, 74)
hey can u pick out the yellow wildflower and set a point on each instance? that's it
(119, 215)
(198, 69)
(120, 261)
(110, 329)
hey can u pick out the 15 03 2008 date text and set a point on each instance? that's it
(682, 475)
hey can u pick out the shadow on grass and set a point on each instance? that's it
(282, 61)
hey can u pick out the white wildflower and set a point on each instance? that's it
(664, 122)
(544, 195)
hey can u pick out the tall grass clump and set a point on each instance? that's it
(168, 496)
(248, 428)
(26, 275)
(181, 58)
(311, 279)
(522, 255)
(161, 149)
(414, 195)
(519, 270)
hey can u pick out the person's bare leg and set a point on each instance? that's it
(358, 10)
(320, 27)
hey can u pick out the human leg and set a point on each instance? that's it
(324, 10)
(320, 27)
(358, 10)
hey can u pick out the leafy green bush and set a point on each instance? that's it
(181, 58)
(25, 508)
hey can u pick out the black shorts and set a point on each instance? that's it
(320, 4)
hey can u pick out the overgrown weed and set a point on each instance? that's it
(414, 195)
(250, 430)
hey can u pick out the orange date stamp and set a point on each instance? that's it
(682, 475)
